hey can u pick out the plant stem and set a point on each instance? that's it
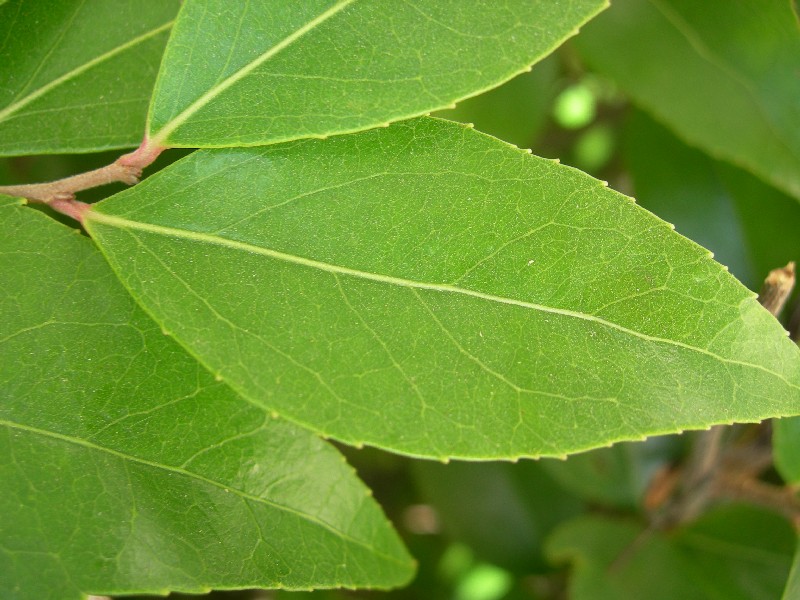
(60, 194)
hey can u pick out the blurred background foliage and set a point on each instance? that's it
(581, 527)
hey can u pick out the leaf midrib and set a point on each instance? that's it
(159, 138)
(204, 238)
(183, 472)
(38, 93)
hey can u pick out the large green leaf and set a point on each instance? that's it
(721, 73)
(431, 290)
(77, 74)
(239, 73)
(125, 467)
(735, 553)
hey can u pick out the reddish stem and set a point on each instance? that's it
(60, 194)
(142, 157)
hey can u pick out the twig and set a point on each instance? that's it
(60, 194)
(777, 287)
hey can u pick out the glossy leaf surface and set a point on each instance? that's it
(76, 76)
(721, 73)
(431, 290)
(240, 73)
(125, 466)
(735, 552)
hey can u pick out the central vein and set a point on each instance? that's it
(92, 216)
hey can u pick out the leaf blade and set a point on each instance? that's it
(338, 66)
(79, 75)
(429, 278)
(692, 59)
(139, 472)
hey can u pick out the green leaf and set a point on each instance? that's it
(126, 468)
(77, 75)
(433, 291)
(735, 552)
(786, 449)
(239, 73)
(722, 74)
(503, 511)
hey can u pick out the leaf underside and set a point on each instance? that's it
(77, 75)
(127, 468)
(433, 291)
(238, 73)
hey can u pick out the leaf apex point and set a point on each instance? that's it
(557, 161)
(604, 182)
(445, 460)
(469, 125)
(528, 151)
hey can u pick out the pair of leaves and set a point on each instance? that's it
(128, 468)
(239, 73)
(465, 299)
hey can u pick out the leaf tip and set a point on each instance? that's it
(469, 125)
(604, 182)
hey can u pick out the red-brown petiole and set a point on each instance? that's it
(60, 194)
